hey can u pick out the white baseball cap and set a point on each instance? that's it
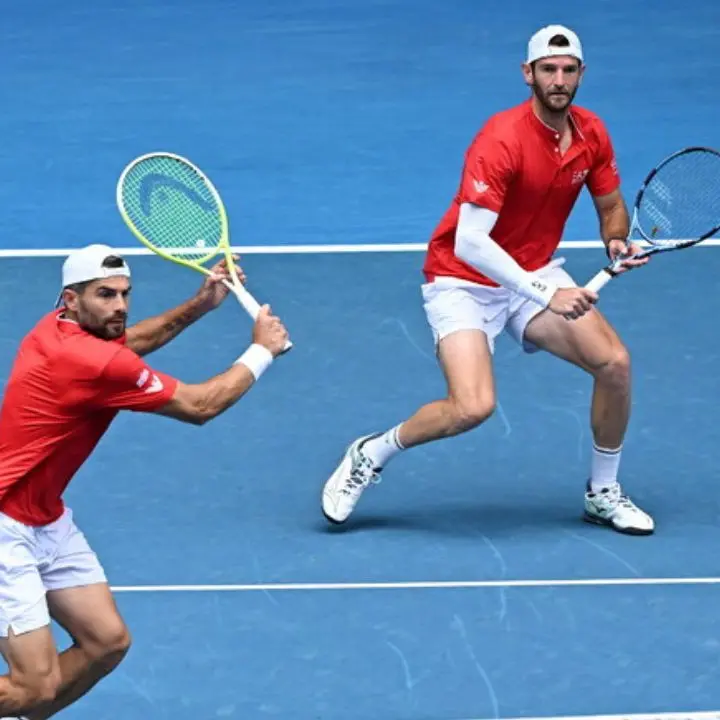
(86, 264)
(539, 45)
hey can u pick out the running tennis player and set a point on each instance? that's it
(74, 371)
(490, 267)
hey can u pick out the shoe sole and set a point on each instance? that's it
(608, 523)
(332, 520)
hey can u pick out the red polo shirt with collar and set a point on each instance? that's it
(65, 388)
(514, 167)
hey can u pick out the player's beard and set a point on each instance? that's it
(559, 106)
(107, 329)
(115, 327)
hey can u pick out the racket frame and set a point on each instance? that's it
(243, 296)
(611, 270)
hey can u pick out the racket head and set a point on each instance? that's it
(678, 203)
(173, 208)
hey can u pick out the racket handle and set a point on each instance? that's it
(251, 305)
(599, 281)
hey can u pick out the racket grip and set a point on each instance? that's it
(599, 281)
(251, 305)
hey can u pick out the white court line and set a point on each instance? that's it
(706, 715)
(243, 249)
(300, 249)
(429, 585)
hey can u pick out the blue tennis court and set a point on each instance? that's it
(466, 586)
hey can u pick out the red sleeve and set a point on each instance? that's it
(603, 177)
(128, 383)
(487, 173)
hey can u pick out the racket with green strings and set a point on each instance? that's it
(173, 208)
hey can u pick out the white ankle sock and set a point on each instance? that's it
(382, 448)
(604, 467)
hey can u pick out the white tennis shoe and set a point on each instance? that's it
(351, 478)
(355, 473)
(612, 508)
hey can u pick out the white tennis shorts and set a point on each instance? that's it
(452, 304)
(34, 560)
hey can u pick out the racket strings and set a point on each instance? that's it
(682, 200)
(173, 208)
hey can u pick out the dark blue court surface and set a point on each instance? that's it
(340, 123)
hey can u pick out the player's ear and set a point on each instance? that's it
(70, 299)
(527, 73)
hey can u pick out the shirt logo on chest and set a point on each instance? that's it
(579, 176)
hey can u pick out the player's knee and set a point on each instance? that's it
(115, 647)
(48, 687)
(118, 645)
(39, 687)
(469, 412)
(108, 649)
(616, 370)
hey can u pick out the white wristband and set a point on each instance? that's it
(536, 289)
(257, 359)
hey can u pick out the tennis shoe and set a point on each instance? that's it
(351, 478)
(613, 508)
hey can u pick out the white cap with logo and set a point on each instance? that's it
(539, 45)
(86, 264)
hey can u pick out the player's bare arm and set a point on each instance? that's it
(199, 403)
(151, 334)
(615, 227)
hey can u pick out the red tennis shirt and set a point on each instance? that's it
(65, 388)
(514, 167)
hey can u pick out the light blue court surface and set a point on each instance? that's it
(466, 585)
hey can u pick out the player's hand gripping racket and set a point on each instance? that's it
(171, 206)
(677, 206)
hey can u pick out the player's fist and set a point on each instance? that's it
(269, 331)
(572, 303)
(213, 290)
(618, 249)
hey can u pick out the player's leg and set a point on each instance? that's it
(592, 344)
(80, 601)
(464, 338)
(466, 362)
(34, 673)
(100, 641)
(26, 641)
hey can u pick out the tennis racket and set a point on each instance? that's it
(677, 206)
(173, 208)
